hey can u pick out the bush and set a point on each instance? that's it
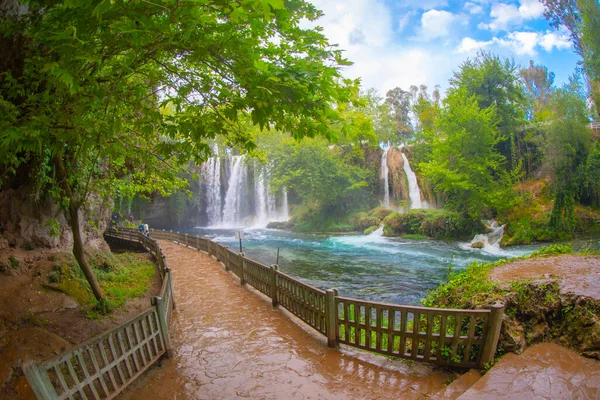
(368, 221)
(380, 212)
(437, 224)
(14, 263)
(371, 229)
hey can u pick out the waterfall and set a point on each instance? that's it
(413, 187)
(211, 170)
(385, 179)
(284, 213)
(233, 198)
(260, 197)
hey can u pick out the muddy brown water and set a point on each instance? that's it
(229, 342)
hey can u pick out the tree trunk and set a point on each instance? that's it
(78, 252)
(77, 240)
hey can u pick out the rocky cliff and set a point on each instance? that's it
(26, 222)
(399, 196)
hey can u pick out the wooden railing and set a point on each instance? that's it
(102, 367)
(460, 338)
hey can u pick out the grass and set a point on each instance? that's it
(471, 287)
(121, 276)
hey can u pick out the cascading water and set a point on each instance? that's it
(488, 242)
(260, 197)
(231, 211)
(414, 191)
(284, 213)
(265, 204)
(212, 172)
(245, 202)
(385, 179)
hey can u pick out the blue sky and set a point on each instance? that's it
(414, 42)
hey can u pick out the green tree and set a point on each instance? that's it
(539, 88)
(582, 19)
(495, 81)
(465, 165)
(566, 149)
(399, 102)
(114, 97)
(318, 173)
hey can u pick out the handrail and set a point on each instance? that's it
(103, 366)
(450, 337)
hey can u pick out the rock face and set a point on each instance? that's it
(26, 222)
(399, 185)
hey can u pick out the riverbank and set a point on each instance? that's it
(551, 296)
(45, 310)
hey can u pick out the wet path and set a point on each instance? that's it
(230, 343)
(544, 371)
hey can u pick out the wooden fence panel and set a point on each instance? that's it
(235, 262)
(259, 276)
(104, 366)
(441, 336)
(302, 300)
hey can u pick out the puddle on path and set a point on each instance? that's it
(230, 343)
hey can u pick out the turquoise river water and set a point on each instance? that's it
(391, 270)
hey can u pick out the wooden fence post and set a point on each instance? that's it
(274, 285)
(226, 258)
(492, 335)
(170, 275)
(42, 388)
(242, 280)
(164, 326)
(331, 317)
(186, 240)
(197, 243)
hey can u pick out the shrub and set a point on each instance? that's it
(14, 263)
(438, 224)
(380, 212)
(371, 229)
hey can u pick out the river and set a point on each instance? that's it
(373, 267)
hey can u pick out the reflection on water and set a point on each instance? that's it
(393, 270)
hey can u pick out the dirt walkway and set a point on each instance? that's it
(578, 274)
(230, 343)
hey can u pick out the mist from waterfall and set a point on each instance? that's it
(384, 177)
(414, 192)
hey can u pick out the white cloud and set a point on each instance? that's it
(473, 8)
(507, 15)
(531, 9)
(552, 39)
(469, 45)
(522, 43)
(404, 20)
(364, 29)
(358, 22)
(436, 24)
